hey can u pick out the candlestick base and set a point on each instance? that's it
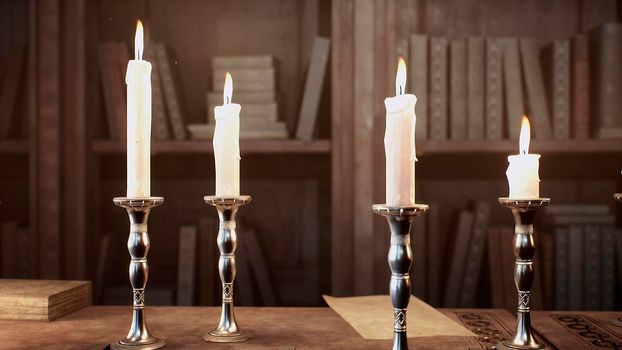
(524, 211)
(400, 258)
(138, 244)
(227, 330)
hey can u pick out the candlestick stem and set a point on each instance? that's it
(227, 330)
(138, 244)
(400, 259)
(524, 248)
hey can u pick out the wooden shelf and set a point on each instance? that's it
(511, 146)
(264, 146)
(14, 147)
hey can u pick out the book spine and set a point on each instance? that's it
(536, 93)
(575, 265)
(434, 256)
(561, 89)
(592, 268)
(419, 248)
(581, 87)
(562, 297)
(608, 80)
(475, 255)
(313, 89)
(438, 88)
(171, 96)
(608, 279)
(508, 262)
(419, 83)
(208, 233)
(547, 249)
(494, 90)
(458, 90)
(161, 129)
(513, 87)
(121, 59)
(458, 259)
(495, 267)
(186, 265)
(476, 69)
(110, 81)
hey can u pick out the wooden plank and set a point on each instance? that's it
(48, 139)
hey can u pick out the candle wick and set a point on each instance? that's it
(401, 92)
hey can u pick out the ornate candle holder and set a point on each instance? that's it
(524, 211)
(227, 330)
(400, 220)
(138, 210)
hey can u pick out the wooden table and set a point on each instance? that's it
(274, 328)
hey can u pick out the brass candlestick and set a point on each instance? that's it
(524, 211)
(400, 258)
(227, 330)
(138, 244)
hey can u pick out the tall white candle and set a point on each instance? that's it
(522, 172)
(227, 143)
(399, 143)
(138, 80)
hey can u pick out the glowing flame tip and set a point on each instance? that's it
(139, 41)
(400, 77)
(525, 136)
(228, 89)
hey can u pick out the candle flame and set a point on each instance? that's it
(525, 136)
(400, 77)
(228, 89)
(138, 41)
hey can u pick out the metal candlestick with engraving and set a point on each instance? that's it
(227, 330)
(524, 211)
(138, 244)
(617, 321)
(400, 258)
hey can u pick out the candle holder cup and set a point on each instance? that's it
(400, 259)
(524, 211)
(138, 244)
(227, 330)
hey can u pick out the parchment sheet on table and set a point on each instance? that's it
(372, 317)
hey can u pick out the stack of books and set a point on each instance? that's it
(254, 87)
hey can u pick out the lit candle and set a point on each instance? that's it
(138, 80)
(522, 172)
(227, 143)
(399, 143)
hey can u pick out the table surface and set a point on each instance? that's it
(291, 328)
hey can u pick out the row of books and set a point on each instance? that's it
(167, 107)
(11, 77)
(478, 88)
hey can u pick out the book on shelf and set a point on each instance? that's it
(608, 278)
(245, 79)
(122, 58)
(546, 248)
(171, 89)
(186, 265)
(507, 266)
(11, 82)
(438, 88)
(475, 255)
(476, 92)
(606, 49)
(244, 98)
(562, 271)
(259, 267)
(434, 253)
(538, 108)
(113, 89)
(160, 126)
(208, 260)
(242, 61)
(42, 300)
(494, 89)
(457, 90)
(495, 270)
(419, 248)
(455, 276)
(592, 268)
(312, 93)
(419, 83)
(513, 87)
(556, 63)
(575, 263)
(580, 85)
(267, 112)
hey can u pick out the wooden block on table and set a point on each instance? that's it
(246, 79)
(575, 265)
(186, 265)
(513, 87)
(458, 90)
(455, 276)
(161, 129)
(536, 93)
(476, 93)
(247, 61)
(592, 268)
(494, 89)
(307, 118)
(112, 86)
(172, 93)
(248, 130)
(581, 85)
(577, 330)
(438, 88)
(42, 300)
(266, 112)
(607, 79)
(208, 260)
(419, 82)
(9, 237)
(475, 255)
(10, 89)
